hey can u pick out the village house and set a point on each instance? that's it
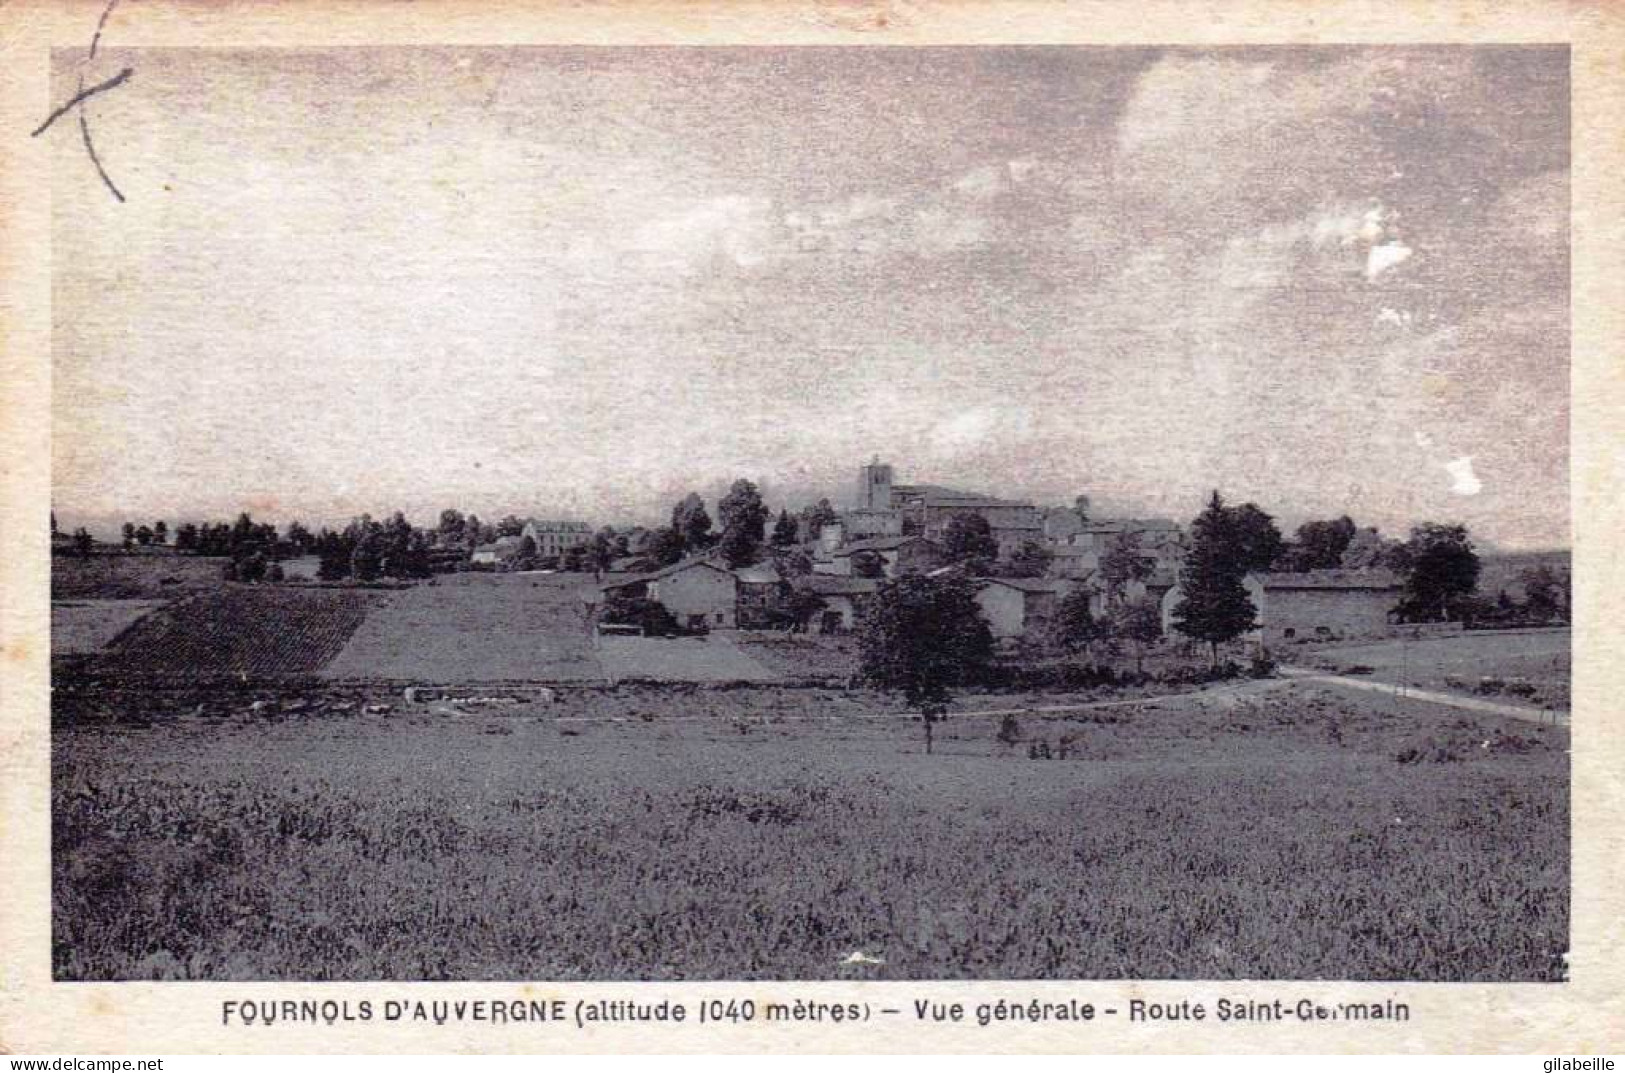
(895, 556)
(699, 593)
(844, 600)
(497, 552)
(554, 538)
(1157, 541)
(756, 596)
(1020, 607)
(1316, 605)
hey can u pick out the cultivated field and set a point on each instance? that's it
(1262, 830)
(477, 628)
(239, 630)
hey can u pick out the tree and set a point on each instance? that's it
(921, 636)
(129, 535)
(815, 517)
(1140, 623)
(510, 526)
(452, 527)
(692, 524)
(576, 560)
(366, 560)
(1122, 564)
(1320, 545)
(1032, 559)
(160, 532)
(525, 557)
(1214, 606)
(1075, 628)
(186, 537)
(605, 548)
(744, 524)
(83, 542)
(1255, 540)
(143, 535)
(1367, 550)
(649, 615)
(335, 552)
(969, 539)
(868, 564)
(665, 546)
(1545, 592)
(1441, 567)
(785, 531)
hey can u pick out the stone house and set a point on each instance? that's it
(897, 555)
(844, 600)
(1315, 605)
(697, 592)
(1020, 607)
(554, 538)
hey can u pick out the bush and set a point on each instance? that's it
(650, 615)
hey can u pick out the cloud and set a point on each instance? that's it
(1382, 258)
(738, 228)
(1463, 481)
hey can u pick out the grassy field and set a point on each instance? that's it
(129, 577)
(84, 626)
(1533, 668)
(476, 628)
(1263, 830)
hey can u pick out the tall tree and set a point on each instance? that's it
(510, 526)
(1075, 628)
(143, 535)
(969, 539)
(1254, 537)
(1319, 545)
(1214, 607)
(784, 530)
(160, 532)
(129, 534)
(692, 523)
(665, 546)
(1441, 567)
(921, 636)
(1545, 592)
(744, 524)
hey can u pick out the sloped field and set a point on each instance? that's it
(477, 628)
(241, 630)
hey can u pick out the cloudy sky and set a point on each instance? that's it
(581, 281)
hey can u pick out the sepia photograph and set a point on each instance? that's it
(809, 513)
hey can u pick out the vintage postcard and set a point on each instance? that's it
(848, 526)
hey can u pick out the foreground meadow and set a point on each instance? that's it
(1265, 831)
